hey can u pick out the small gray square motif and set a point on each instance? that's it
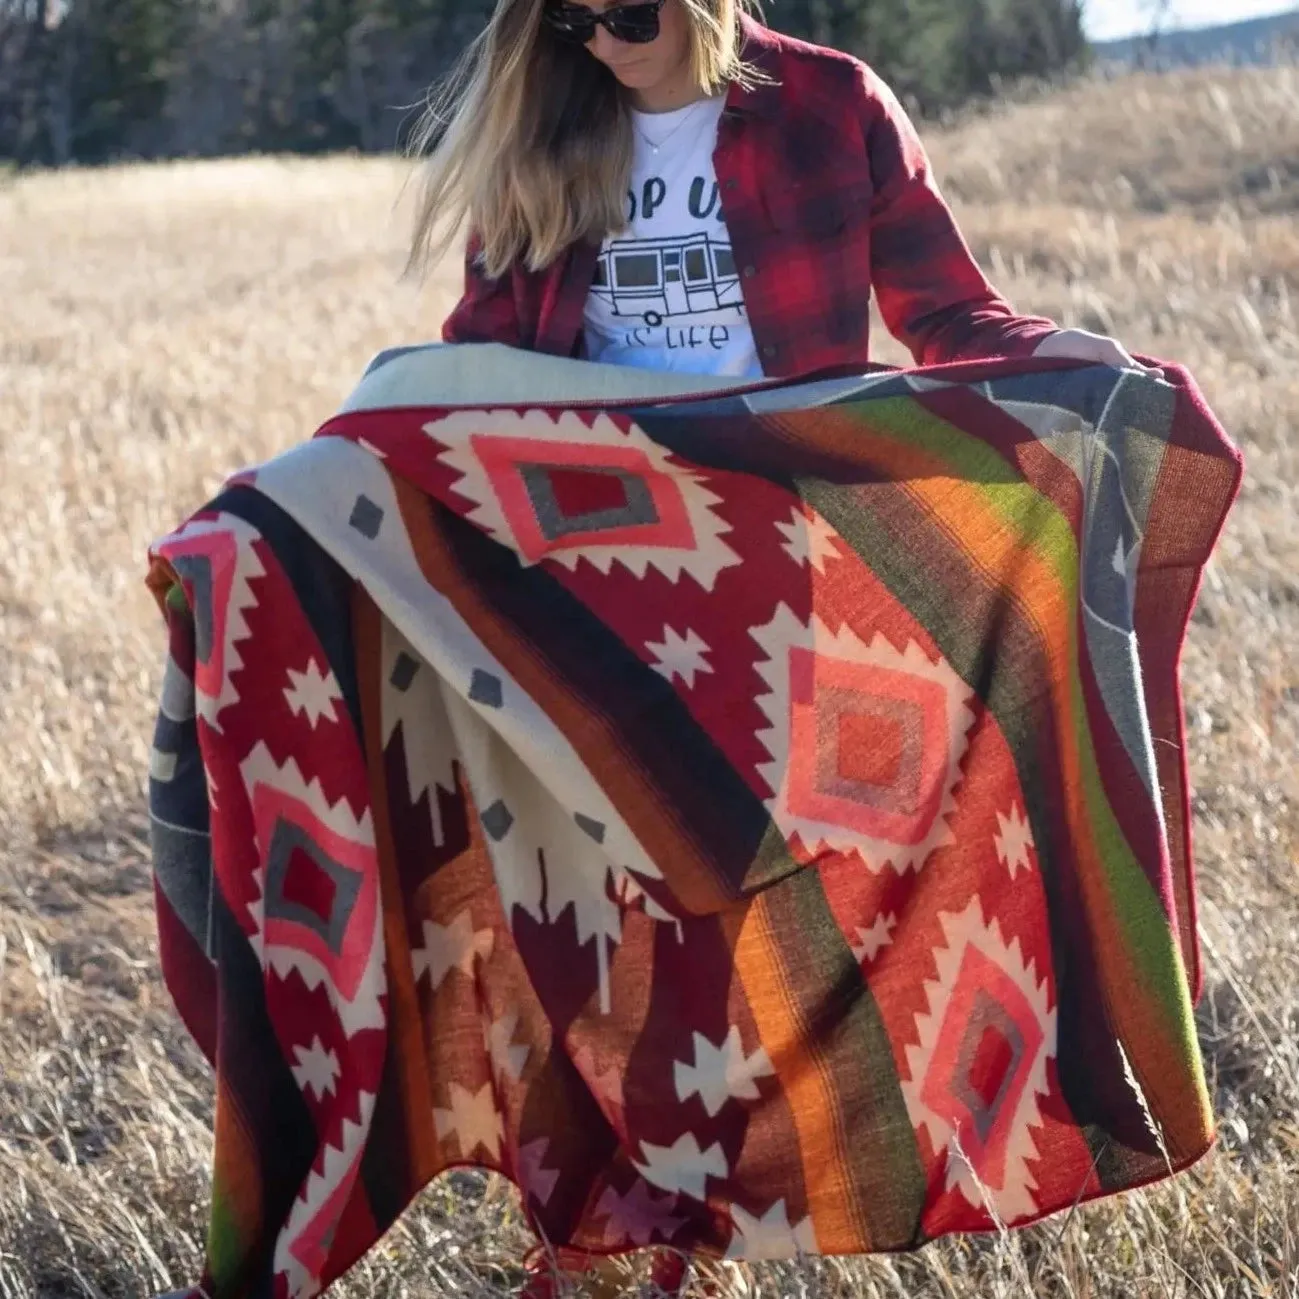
(367, 517)
(486, 689)
(497, 820)
(592, 827)
(403, 672)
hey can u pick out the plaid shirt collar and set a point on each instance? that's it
(759, 49)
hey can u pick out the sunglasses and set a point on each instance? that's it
(636, 24)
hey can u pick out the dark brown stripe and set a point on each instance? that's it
(679, 794)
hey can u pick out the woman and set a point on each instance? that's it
(668, 184)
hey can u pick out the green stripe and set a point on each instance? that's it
(1148, 932)
(982, 469)
(227, 1250)
(847, 1030)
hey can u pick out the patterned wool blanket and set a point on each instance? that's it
(755, 823)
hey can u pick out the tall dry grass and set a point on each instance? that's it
(161, 326)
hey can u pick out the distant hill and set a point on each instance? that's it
(1258, 40)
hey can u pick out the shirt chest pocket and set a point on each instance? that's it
(820, 238)
(813, 212)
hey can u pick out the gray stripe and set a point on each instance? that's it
(1114, 660)
(182, 865)
(177, 702)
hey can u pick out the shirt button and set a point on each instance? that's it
(732, 183)
(750, 272)
(770, 351)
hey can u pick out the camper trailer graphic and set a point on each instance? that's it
(655, 279)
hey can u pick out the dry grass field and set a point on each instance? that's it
(162, 326)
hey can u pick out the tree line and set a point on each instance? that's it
(94, 81)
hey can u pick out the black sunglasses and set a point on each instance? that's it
(636, 24)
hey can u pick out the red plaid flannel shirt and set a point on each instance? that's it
(827, 193)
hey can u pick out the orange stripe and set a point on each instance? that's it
(813, 1102)
(236, 1232)
(407, 1047)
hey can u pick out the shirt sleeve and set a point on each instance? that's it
(487, 311)
(931, 292)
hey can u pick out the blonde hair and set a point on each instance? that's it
(529, 139)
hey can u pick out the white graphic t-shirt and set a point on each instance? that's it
(666, 294)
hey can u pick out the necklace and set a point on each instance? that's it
(687, 116)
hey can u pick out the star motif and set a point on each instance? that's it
(638, 1216)
(721, 1072)
(682, 1166)
(507, 1058)
(539, 1182)
(1014, 840)
(679, 656)
(448, 947)
(770, 1236)
(473, 1120)
(809, 539)
(312, 692)
(870, 942)
(317, 1069)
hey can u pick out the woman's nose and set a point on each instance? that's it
(604, 47)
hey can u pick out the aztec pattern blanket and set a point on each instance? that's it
(755, 824)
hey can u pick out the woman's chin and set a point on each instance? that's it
(635, 76)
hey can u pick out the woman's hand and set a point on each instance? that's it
(1081, 345)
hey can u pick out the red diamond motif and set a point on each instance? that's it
(992, 1061)
(578, 491)
(870, 747)
(982, 1061)
(306, 885)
